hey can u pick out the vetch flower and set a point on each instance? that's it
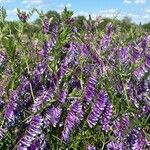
(62, 95)
(2, 58)
(106, 117)
(68, 59)
(139, 143)
(136, 139)
(35, 129)
(49, 44)
(97, 108)
(1, 102)
(40, 69)
(144, 43)
(91, 147)
(23, 16)
(146, 110)
(75, 82)
(105, 41)
(2, 132)
(53, 115)
(123, 55)
(46, 25)
(90, 89)
(116, 145)
(147, 61)
(140, 72)
(107, 37)
(62, 70)
(41, 100)
(109, 29)
(120, 125)
(84, 50)
(11, 113)
(135, 55)
(73, 118)
(119, 87)
(39, 143)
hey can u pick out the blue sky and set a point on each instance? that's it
(138, 10)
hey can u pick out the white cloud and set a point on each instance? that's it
(114, 13)
(140, 1)
(12, 12)
(7, 1)
(62, 6)
(68, 5)
(147, 10)
(110, 13)
(134, 1)
(146, 16)
(127, 1)
(32, 3)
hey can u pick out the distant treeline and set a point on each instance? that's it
(125, 25)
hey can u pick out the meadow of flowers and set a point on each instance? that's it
(62, 89)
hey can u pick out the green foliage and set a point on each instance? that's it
(22, 42)
(146, 27)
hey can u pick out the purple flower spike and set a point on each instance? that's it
(146, 109)
(62, 70)
(106, 117)
(74, 116)
(53, 115)
(135, 54)
(84, 50)
(147, 61)
(115, 145)
(140, 72)
(97, 109)
(139, 144)
(41, 100)
(2, 58)
(39, 144)
(90, 89)
(75, 82)
(2, 132)
(105, 41)
(40, 69)
(144, 43)
(136, 139)
(46, 25)
(33, 131)
(63, 96)
(120, 125)
(123, 55)
(107, 37)
(108, 29)
(2, 103)
(23, 16)
(119, 87)
(91, 147)
(10, 114)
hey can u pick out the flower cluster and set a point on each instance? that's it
(90, 89)
(97, 108)
(74, 116)
(23, 16)
(106, 117)
(75, 89)
(2, 58)
(32, 132)
(2, 132)
(52, 116)
(11, 114)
